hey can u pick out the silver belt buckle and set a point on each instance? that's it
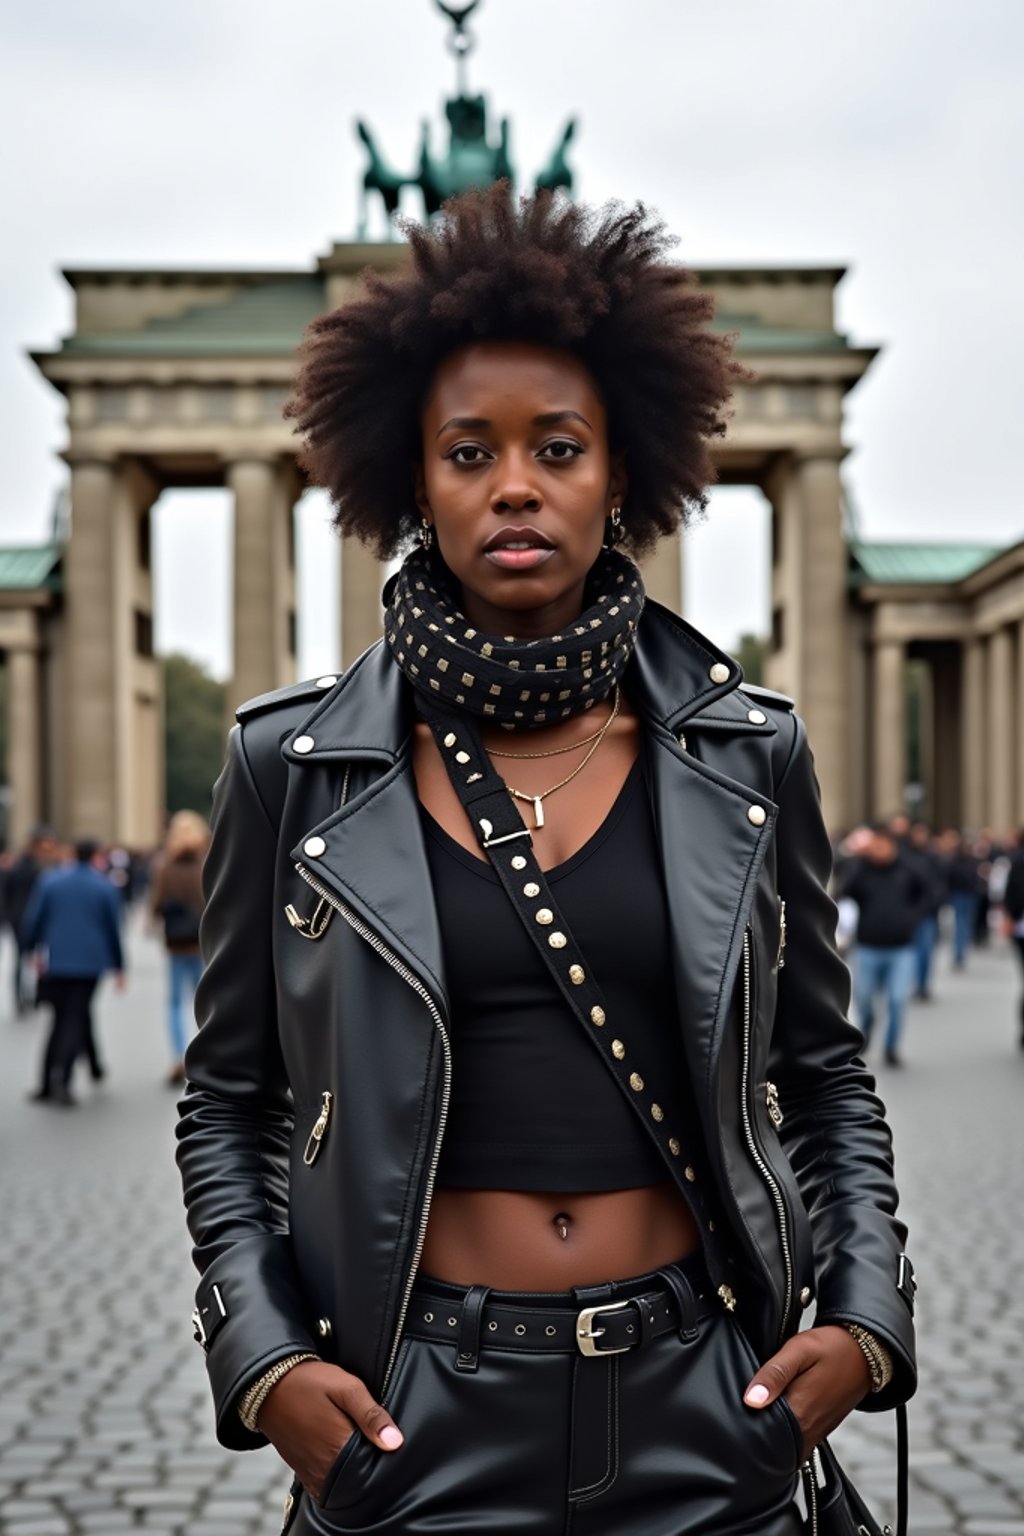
(587, 1335)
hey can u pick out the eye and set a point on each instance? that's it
(467, 453)
(562, 450)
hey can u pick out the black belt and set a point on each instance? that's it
(474, 1318)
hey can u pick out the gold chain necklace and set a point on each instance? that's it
(574, 746)
(535, 800)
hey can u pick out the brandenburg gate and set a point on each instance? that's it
(176, 378)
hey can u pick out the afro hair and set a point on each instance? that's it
(539, 269)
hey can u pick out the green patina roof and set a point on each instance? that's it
(912, 564)
(266, 317)
(755, 336)
(24, 568)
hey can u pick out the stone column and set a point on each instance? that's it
(91, 611)
(24, 743)
(362, 579)
(889, 727)
(859, 768)
(973, 714)
(264, 585)
(1002, 729)
(105, 672)
(946, 799)
(663, 573)
(811, 597)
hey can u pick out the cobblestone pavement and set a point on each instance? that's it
(105, 1422)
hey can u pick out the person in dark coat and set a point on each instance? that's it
(1013, 908)
(920, 846)
(891, 895)
(19, 882)
(74, 916)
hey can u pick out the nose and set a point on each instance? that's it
(514, 488)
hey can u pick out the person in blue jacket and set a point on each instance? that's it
(74, 916)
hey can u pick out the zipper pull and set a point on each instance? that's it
(780, 958)
(311, 927)
(318, 1132)
(771, 1098)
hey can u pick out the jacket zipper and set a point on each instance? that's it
(319, 1131)
(771, 1099)
(812, 1490)
(413, 981)
(748, 1131)
(780, 959)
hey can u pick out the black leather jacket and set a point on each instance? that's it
(318, 1083)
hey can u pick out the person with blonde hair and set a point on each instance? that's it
(176, 903)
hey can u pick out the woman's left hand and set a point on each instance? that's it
(823, 1375)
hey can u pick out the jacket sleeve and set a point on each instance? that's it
(32, 922)
(834, 1132)
(1013, 896)
(235, 1119)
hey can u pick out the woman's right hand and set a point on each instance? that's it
(310, 1414)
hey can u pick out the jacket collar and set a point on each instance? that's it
(675, 675)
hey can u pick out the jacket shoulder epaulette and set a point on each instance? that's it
(768, 696)
(278, 698)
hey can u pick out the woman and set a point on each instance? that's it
(511, 1152)
(176, 904)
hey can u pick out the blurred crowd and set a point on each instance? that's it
(902, 889)
(65, 906)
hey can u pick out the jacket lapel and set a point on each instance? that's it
(359, 852)
(712, 830)
(711, 852)
(364, 727)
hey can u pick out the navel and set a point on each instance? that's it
(561, 1224)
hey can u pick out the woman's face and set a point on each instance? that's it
(517, 481)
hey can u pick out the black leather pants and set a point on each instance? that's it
(510, 1428)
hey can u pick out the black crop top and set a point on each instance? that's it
(533, 1107)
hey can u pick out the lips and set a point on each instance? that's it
(511, 537)
(518, 549)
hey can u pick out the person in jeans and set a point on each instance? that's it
(891, 895)
(176, 902)
(920, 846)
(964, 887)
(74, 916)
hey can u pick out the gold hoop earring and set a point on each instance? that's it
(426, 534)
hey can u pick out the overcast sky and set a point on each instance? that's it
(883, 135)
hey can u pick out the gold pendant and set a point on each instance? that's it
(538, 811)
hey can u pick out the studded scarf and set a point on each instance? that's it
(516, 683)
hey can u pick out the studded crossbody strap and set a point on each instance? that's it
(509, 847)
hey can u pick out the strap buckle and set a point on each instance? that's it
(488, 839)
(587, 1335)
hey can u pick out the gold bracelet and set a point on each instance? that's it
(875, 1353)
(255, 1395)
